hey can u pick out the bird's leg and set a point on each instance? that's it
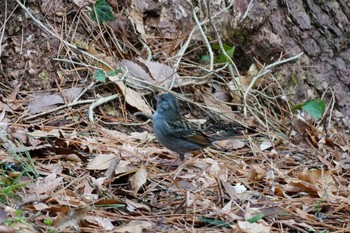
(181, 158)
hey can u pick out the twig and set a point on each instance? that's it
(42, 26)
(206, 42)
(185, 46)
(84, 91)
(3, 27)
(149, 52)
(98, 102)
(127, 124)
(222, 49)
(330, 108)
(75, 63)
(264, 71)
(249, 7)
(58, 108)
(280, 62)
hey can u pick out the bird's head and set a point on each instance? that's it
(168, 105)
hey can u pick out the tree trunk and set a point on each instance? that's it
(319, 28)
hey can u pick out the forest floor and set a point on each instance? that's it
(78, 153)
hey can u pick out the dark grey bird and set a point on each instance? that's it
(174, 132)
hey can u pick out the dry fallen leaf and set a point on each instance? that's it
(135, 227)
(248, 227)
(230, 144)
(221, 108)
(132, 97)
(100, 162)
(47, 101)
(138, 179)
(163, 74)
(132, 206)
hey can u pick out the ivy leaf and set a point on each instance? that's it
(99, 75)
(113, 72)
(315, 108)
(255, 218)
(222, 57)
(101, 12)
(204, 58)
(214, 222)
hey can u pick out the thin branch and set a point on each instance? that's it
(58, 108)
(264, 71)
(42, 26)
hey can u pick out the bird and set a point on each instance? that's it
(174, 132)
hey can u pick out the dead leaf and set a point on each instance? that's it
(297, 186)
(47, 101)
(136, 70)
(222, 109)
(122, 167)
(136, 18)
(101, 162)
(163, 74)
(105, 223)
(256, 173)
(152, 72)
(138, 179)
(40, 206)
(135, 227)
(15, 91)
(44, 134)
(5, 229)
(259, 227)
(230, 144)
(132, 206)
(71, 93)
(46, 185)
(215, 169)
(265, 145)
(132, 97)
(44, 102)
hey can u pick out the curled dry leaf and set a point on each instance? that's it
(152, 72)
(265, 145)
(122, 167)
(136, 18)
(105, 223)
(132, 97)
(47, 101)
(247, 227)
(101, 162)
(223, 110)
(131, 205)
(230, 144)
(138, 179)
(163, 74)
(135, 227)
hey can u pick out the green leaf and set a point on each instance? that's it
(216, 47)
(101, 12)
(99, 75)
(214, 222)
(204, 58)
(315, 108)
(48, 221)
(222, 57)
(113, 72)
(255, 218)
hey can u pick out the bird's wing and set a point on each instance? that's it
(183, 129)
